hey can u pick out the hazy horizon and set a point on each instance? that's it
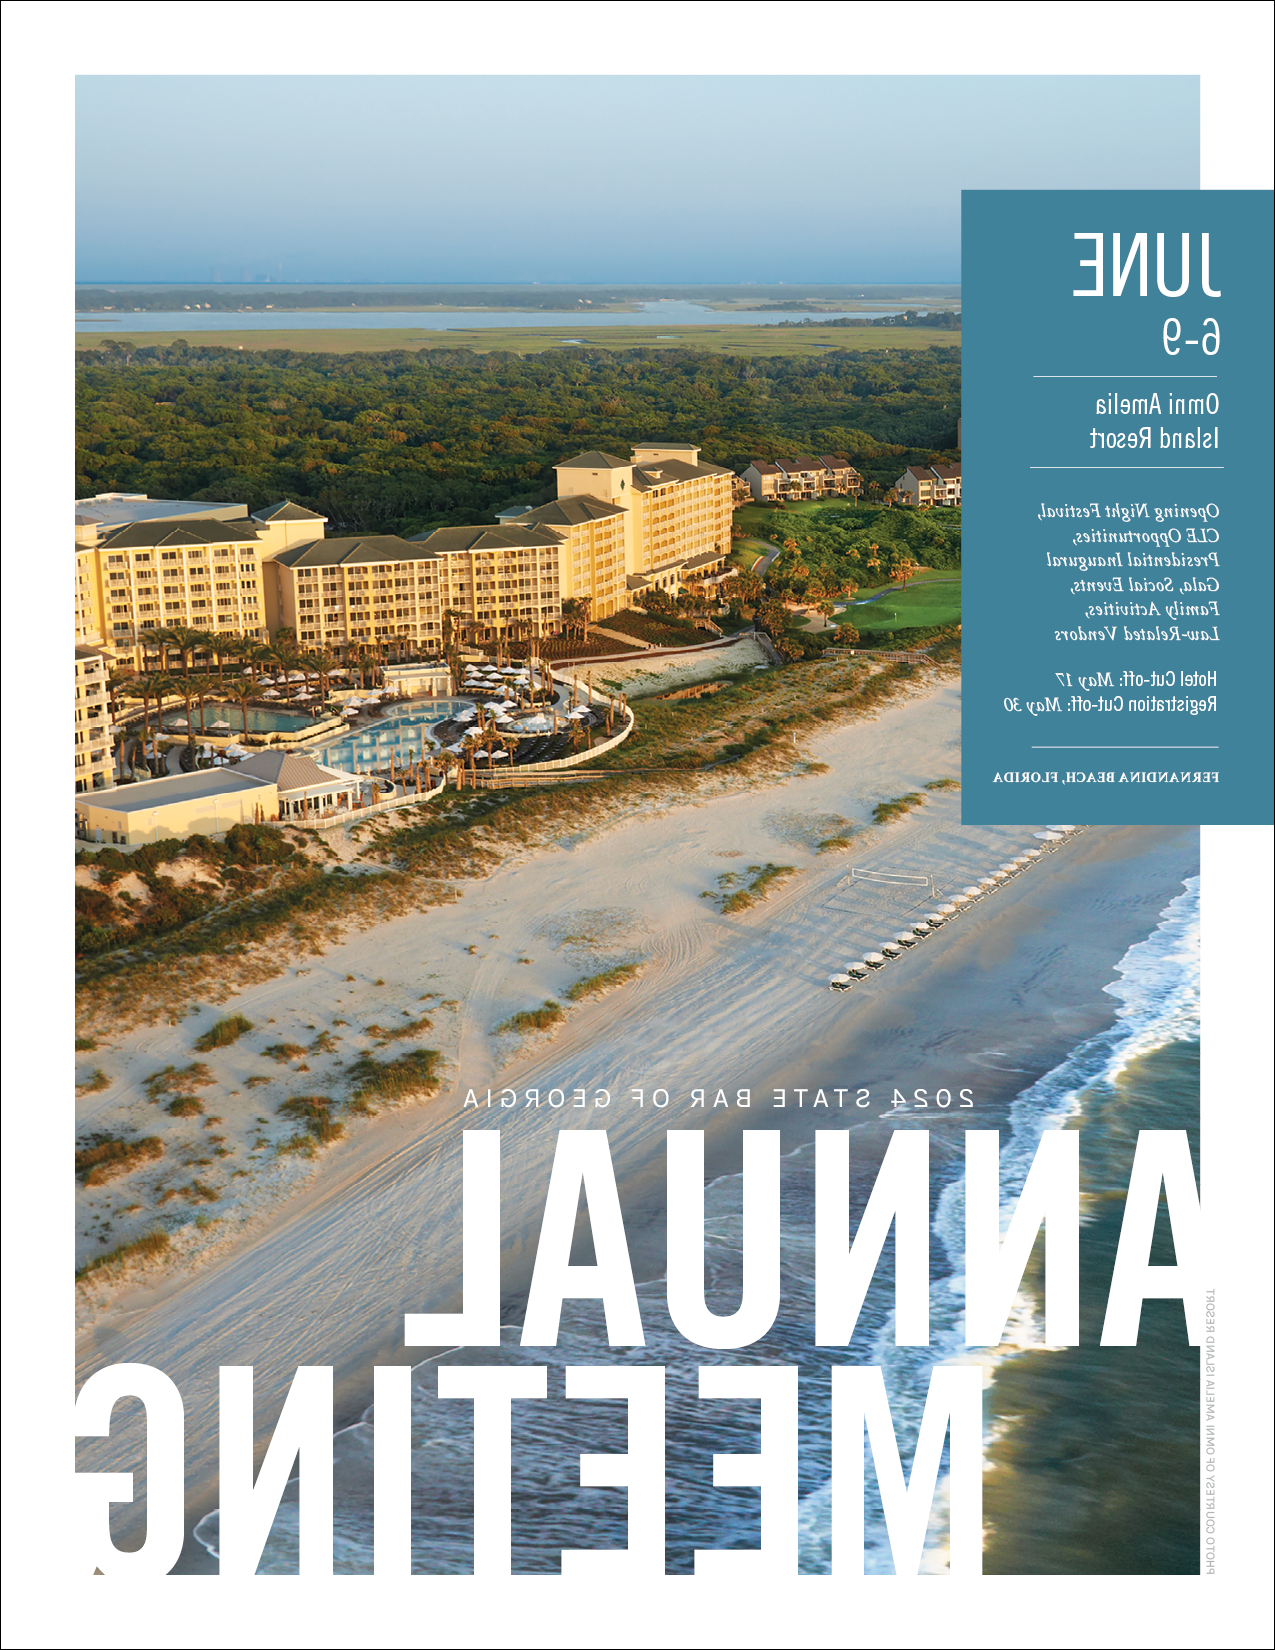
(589, 180)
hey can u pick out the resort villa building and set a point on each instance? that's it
(930, 484)
(802, 478)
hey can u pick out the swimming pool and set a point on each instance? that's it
(259, 720)
(403, 735)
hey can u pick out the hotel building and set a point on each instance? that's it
(382, 589)
(657, 519)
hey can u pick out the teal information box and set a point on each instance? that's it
(1118, 498)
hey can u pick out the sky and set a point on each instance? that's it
(590, 179)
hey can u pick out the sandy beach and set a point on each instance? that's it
(316, 1260)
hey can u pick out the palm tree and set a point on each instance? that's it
(164, 687)
(203, 687)
(242, 692)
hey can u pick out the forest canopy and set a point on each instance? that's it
(403, 440)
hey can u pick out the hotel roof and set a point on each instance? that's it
(764, 467)
(835, 463)
(594, 461)
(117, 510)
(450, 541)
(373, 547)
(160, 535)
(573, 511)
(286, 510)
(290, 771)
(658, 472)
(179, 787)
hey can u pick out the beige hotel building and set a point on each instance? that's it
(618, 526)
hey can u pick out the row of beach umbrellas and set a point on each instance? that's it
(934, 920)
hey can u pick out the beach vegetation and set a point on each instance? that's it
(284, 1052)
(197, 1191)
(593, 985)
(416, 1072)
(85, 1045)
(94, 1083)
(543, 1018)
(104, 1156)
(147, 1247)
(896, 808)
(739, 890)
(409, 1028)
(177, 1079)
(318, 1126)
(184, 1105)
(943, 785)
(222, 1034)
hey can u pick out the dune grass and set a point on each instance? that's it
(221, 1035)
(142, 1248)
(416, 1072)
(534, 1019)
(594, 984)
(318, 1126)
(896, 808)
(107, 1157)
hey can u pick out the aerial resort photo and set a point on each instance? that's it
(528, 940)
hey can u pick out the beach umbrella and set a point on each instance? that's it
(270, 693)
(874, 959)
(1063, 828)
(972, 892)
(1046, 836)
(219, 724)
(179, 722)
(500, 756)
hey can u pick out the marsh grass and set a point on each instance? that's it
(222, 1034)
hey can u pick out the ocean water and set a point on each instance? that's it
(1090, 1446)
(663, 311)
